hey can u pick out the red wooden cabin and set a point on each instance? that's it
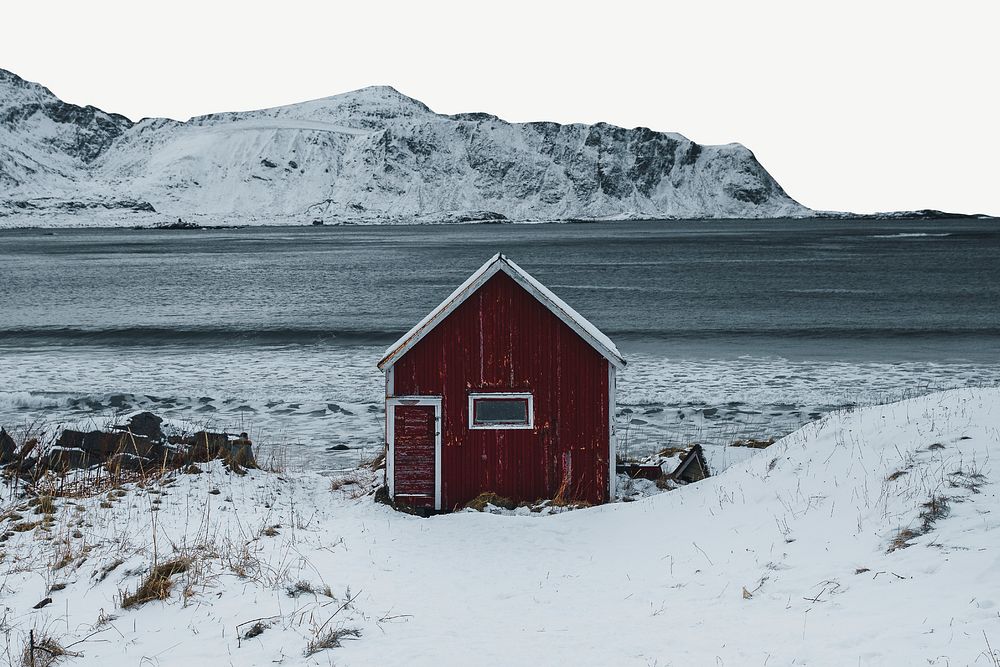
(502, 388)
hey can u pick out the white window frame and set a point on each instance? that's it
(473, 397)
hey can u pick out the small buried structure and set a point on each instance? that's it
(503, 388)
(682, 465)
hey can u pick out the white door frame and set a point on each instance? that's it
(612, 434)
(390, 426)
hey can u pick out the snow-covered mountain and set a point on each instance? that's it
(371, 155)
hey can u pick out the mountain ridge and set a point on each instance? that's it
(369, 155)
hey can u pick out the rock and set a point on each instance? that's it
(8, 448)
(117, 400)
(101, 445)
(61, 459)
(146, 424)
(207, 446)
(138, 446)
(75, 449)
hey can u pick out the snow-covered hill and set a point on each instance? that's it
(870, 537)
(371, 155)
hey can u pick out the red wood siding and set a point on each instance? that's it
(502, 339)
(413, 431)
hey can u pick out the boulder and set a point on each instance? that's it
(139, 445)
(146, 424)
(63, 459)
(8, 448)
(207, 446)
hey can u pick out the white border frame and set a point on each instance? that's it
(390, 424)
(473, 396)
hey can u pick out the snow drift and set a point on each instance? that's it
(371, 155)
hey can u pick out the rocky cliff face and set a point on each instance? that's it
(43, 139)
(372, 155)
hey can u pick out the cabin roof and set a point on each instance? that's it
(497, 263)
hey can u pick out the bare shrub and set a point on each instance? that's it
(43, 650)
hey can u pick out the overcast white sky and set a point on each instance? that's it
(864, 106)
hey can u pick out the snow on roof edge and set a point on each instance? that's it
(585, 324)
(590, 333)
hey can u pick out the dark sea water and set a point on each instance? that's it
(731, 328)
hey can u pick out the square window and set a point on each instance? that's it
(501, 411)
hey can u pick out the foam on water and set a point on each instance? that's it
(314, 398)
(912, 235)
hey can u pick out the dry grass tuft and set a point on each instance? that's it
(669, 452)
(255, 630)
(935, 508)
(303, 586)
(664, 483)
(754, 443)
(45, 505)
(298, 588)
(902, 539)
(480, 502)
(375, 463)
(25, 526)
(157, 584)
(106, 569)
(330, 639)
(337, 483)
(563, 498)
(971, 480)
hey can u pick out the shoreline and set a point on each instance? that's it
(217, 222)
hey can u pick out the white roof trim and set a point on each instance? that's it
(498, 262)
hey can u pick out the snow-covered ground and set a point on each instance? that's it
(797, 555)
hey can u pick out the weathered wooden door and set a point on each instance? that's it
(415, 450)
